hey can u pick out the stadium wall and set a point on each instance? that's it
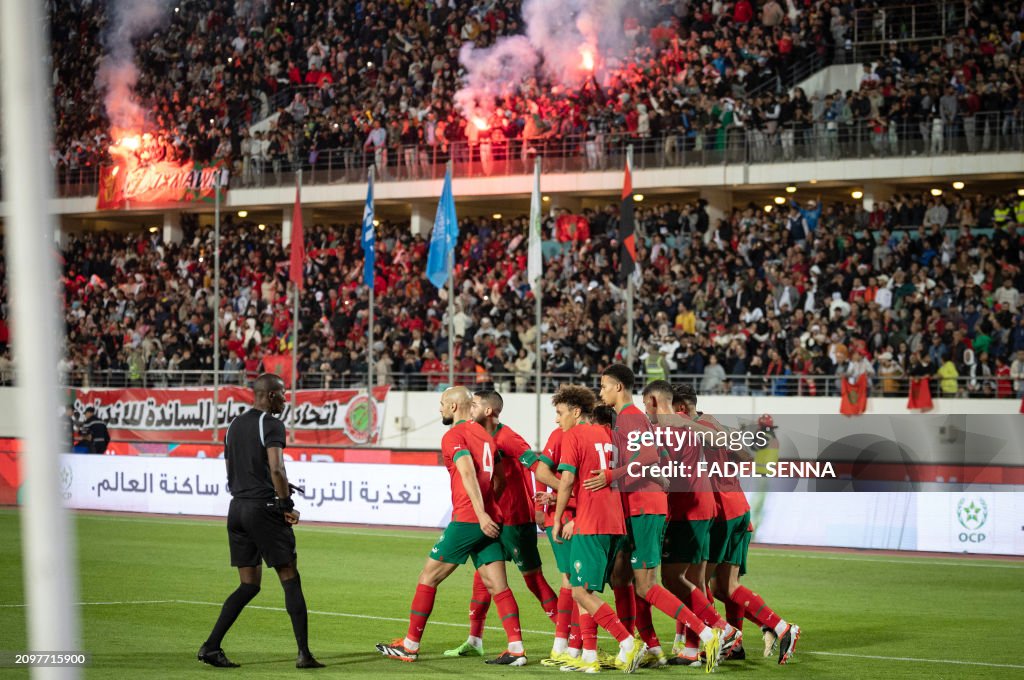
(411, 420)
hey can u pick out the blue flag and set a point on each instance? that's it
(446, 233)
(369, 236)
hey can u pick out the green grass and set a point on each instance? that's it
(358, 584)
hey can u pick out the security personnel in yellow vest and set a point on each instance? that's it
(655, 366)
(1001, 215)
(1019, 211)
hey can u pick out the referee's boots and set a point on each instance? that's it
(307, 661)
(215, 657)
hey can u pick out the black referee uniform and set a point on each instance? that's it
(256, 527)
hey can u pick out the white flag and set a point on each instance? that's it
(535, 266)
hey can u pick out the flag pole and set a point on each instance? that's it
(216, 303)
(629, 286)
(451, 304)
(538, 294)
(295, 324)
(47, 534)
(369, 345)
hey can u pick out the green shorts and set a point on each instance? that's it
(645, 535)
(730, 541)
(563, 553)
(687, 541)
(460, 540)
(519, 544)
(593, 556)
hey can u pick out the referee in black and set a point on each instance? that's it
(260, 519)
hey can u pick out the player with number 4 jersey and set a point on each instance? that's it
(468, 451)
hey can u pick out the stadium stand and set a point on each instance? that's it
(269, 88)
(760, 302)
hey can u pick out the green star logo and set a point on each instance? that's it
(972, 513)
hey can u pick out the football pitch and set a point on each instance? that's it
(151, 588)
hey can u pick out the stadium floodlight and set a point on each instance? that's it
(791, 189)
(1020, 192)
(768, 208)
(261, 227)
(496, 216)
(936, 192)
(243, 213)
(857, 194)
(958, 185)
(638, 198)
(779, 200)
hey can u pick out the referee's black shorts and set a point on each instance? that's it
(257, 530)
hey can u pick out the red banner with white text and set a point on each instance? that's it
(323, 417)
(132, 185)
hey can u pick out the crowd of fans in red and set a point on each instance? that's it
(785, 301)
(378, 77)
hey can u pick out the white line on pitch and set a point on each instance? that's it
(83, 604)
(907, 658)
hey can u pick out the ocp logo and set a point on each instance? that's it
(972, 513)
(578, 566)
(65, 477)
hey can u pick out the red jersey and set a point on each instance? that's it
(552, 455)
(697, 504)
(467, 438)
(516, 501)
(730, 500)
(588, 447)
(652, 500)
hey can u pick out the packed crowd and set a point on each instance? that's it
(377, 79)
(782, 302)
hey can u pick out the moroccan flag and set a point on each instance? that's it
(920, 395)
(855, 396)
(627, 237)
(281, 365)
(298, 251)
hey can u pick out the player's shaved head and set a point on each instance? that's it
(491, 399)
(267, 382)
(458, 395)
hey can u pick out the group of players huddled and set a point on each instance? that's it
(606, 527)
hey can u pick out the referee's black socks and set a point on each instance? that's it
(295, 603)
(229, 612)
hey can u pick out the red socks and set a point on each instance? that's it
(588, 629)
(508, 610)
(704, 609)
(478, 606)
(422, 605)
(644, 624)
(606, 618)
(566, 610)
(543, 592)
(575, 632)
(734, 614)
(753, 603)
(670, 604)
(625, 607)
